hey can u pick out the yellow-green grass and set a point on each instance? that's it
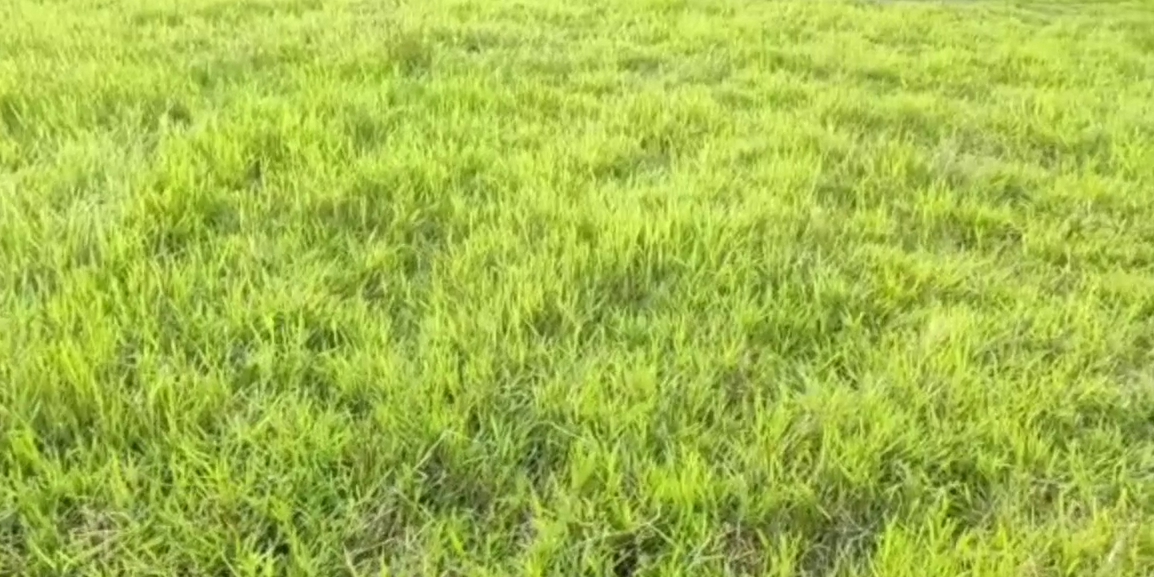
(576, 287)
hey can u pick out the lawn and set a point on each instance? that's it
(576, 287)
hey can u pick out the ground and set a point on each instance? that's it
(576, 287)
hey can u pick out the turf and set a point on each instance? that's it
(583, 287)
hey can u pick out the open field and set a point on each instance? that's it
(576, 287)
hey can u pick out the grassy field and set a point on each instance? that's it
(576, 287)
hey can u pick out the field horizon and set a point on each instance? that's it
(621, 288)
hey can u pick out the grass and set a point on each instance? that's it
(582, 287)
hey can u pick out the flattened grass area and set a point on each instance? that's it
(576, 287)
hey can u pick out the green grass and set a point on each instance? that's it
(576, 287)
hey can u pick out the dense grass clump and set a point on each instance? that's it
(583, 287)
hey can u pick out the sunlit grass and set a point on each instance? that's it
(612, 287)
